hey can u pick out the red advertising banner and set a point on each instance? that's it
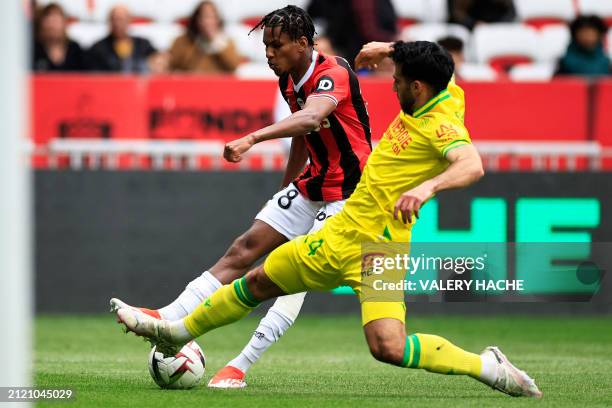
(190, 107)
(224, 108)
(86, 106)
(502, 111)
(602, 127)
(556, 110)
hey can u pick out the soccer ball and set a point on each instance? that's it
(181, 371)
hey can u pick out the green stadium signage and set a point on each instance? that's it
(550, 250)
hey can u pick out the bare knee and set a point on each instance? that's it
(386, 339)
(388, 350)
(260, 286)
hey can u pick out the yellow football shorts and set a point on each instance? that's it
(324, 260)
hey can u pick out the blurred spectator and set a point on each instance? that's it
(119, 51)
(454, 46)
(324, 45)
(350, 24)
(585, 54)
(53, 50)
(204, 47)
(471, 12)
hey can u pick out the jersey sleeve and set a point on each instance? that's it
(332, 83)
(447, 136)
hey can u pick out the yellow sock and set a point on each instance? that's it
(438, 355)
(228, 304)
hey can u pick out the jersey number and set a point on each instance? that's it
(321, 216)
(284, 201)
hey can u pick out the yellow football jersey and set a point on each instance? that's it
(411, 151)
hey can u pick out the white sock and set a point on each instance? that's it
(276, 322)
(488, 372)
(179, 332)
(196, 291)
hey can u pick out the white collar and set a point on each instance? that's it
(296, 87)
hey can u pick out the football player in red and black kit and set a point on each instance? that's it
(330, 128)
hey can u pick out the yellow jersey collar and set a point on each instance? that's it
(431, 103)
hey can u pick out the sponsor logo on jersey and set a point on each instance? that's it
(325, 84)
(367, 263)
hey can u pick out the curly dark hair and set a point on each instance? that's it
(424, 61)
(292, 20)
(192, 23)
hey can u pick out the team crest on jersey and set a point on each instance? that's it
(325, 84)
(447, 131)
(314, 246)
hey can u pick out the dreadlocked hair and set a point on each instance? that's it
(292, 20)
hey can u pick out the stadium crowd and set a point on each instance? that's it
(489, 39)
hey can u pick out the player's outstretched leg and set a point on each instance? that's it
(195, 292)
(276, 322)
(257, 241)
(116, 304)
(228, 304)
(388, 343)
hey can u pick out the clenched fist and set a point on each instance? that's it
(233, 150)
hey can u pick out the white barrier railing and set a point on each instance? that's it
(540, 153)
(96, 154)
(104, 154)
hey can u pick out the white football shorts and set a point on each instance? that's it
(292, 214)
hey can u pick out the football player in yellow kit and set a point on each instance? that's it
(426, 149)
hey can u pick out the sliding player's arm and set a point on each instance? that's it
(372, 54)
(298, 124)
(465, 169)
(297, 160)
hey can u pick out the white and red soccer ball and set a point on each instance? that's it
(181, 371)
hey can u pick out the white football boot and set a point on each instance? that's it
(116, 304)
(511, 380)
(155, 331)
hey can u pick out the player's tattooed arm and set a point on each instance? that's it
(297, 159)
(465, 169)
(372, 54)
(298, 124)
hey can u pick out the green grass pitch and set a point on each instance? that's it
(324, 361)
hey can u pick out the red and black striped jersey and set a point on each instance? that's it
(339, 149)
